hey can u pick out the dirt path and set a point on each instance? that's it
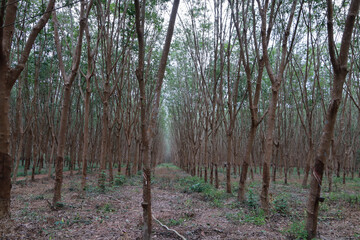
(117, 213)
(42, 176)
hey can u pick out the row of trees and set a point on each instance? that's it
(261, 86)
(247, 87)
(85, 90)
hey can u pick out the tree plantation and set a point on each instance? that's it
(214, 119)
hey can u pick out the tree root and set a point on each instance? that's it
(169, 229)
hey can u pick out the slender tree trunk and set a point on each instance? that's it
(211, 173)
(228, 162)
(35, 161)
(206, 151)
(276, 81)
(20, 131)
(53, 144)
(308, 162)
(61, 144)
(5, 159)
(127, 172)
(264, 197)
(216, 176)
(104, 138)
(340, 71)
(86, 134)
(245, 164)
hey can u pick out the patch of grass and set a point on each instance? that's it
(199, 187)
(175, 222)
(102, 180)
(256, 217)
(188, 203)
(297, 230)
(195, 184)
(38, 197)
(80, 220)
(178, 221)
(281, 204)
(324, 207)
(352, 198)
(235, 217)
(252, 200)
(119, 180)
(167, 165)
(107, 208)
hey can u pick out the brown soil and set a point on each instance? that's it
(117, 213)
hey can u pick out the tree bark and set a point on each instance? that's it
(340, 71)
(276, 81)
(8, 77)
(68, 80)
(5, 159)
(147, 127)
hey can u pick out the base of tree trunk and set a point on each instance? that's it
(5, 183)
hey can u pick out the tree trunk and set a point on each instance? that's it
(51, 157)
(5, 159)
(86, 134)
(245, 164)
(340, 72)
(307, 166)
(264, 197)
(104, 138)
(228, 162)
(61, 144)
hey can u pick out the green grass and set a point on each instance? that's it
(168, 165)
(209, 192)
(297, 230)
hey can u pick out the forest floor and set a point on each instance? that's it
(194, 209)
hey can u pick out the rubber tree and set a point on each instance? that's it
(68, 80)
(253, 96)
(276, 81)
(148, 125)
(340, 69)
(8, 77)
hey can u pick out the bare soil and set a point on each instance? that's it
(117, 214)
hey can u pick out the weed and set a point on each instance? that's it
(324, 207)
(184, 218)
(195, 184)
(217, 203)
(107, 208)
(73, 187)
(119, 180)
(167, 165)
(252, 200)
(39, 197)
(188, 203)
(334, 197)
(235, 204)
(281, 204)
(60, 224)
(175, 222)
(198, 187)
(102, 179)
(352, 198)
(297, 230)
(235, 217)
(59, 205)
(256, 217)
